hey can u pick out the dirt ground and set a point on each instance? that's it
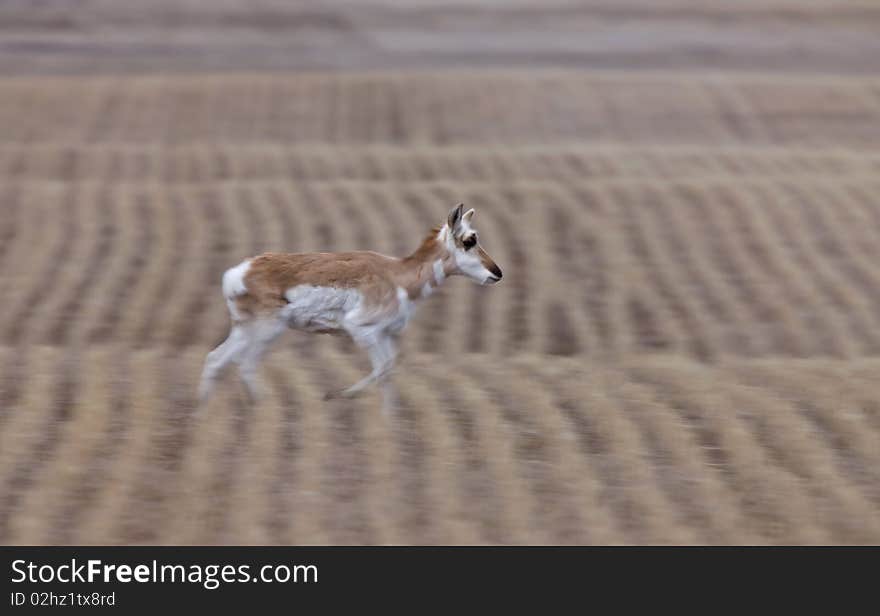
(684, 348)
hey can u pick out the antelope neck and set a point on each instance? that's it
(424, 270)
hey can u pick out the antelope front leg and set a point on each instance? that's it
(382, 353)
(389, 391)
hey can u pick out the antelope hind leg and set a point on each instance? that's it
(219, 358)
(260, 336)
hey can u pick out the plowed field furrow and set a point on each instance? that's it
(516, 317)
(676, 454)
(563, 235)
(858, 217)
(20, 254)
(774, 269)
(843, 301)
(91, 277)
(855, 451)
(836, 243)
(118, 260)
(47, 312)
(685, 236)
(683, 349)
(759, 441)
(642, 509)
(514, 521)
(767, 498)
(578, 445)
(29, 404)
(735, 113)
(860, 380)
(344, 468)
(87, 413)
(516, 108)
(533, 452)
(22, 472)
(151, 282)
(308, 509)
(46, 264)
(765, 316)
(10, 223)
(799, 450)
(812, 113)
(225, 484)
(282, 217)
(707, 254)
(160, 471)
(480, 503)
(287, 444)
(183, 164)
(444, 466)
(667, 325)
(80, 491)
(224, 250)
(414, 518)
(548, 318)
(800, 259)
(717, 310)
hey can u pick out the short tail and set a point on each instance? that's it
(233, 280)
(234, 286)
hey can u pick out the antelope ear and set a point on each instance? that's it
(468, 215)
(455, 216)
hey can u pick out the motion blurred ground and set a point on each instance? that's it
(683, 199)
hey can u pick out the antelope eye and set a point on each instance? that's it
(469, 242)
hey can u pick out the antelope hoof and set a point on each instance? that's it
(340, 393)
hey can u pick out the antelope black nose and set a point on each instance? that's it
(496, 271)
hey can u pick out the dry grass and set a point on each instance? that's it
(683, 349)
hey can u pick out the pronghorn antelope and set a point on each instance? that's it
(366, 295)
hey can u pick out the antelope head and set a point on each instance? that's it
(463, 245)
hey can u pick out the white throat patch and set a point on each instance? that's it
(439, 274)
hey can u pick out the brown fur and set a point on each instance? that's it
(377, 276)
(428, 248)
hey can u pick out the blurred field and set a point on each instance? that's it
(684, 348)
(109, 36)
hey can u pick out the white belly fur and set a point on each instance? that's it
(312, 308)
(322, 309)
